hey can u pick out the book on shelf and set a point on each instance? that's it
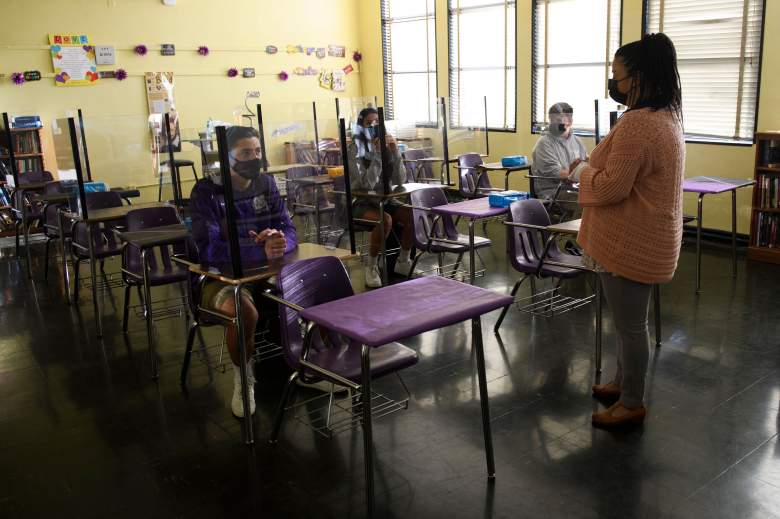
(766, 230)
(768, 191)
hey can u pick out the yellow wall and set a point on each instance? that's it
(722, 160)
(235, 31)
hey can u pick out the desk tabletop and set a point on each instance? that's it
(112, 213)
(418, 306)
(259, 271)
(163, 234)
(54, 197)
(570, 227)
(476, 208)
(397, 192)
(316, 180)
(496, 166)
(712, 185)
(283, 168)
(32, 186)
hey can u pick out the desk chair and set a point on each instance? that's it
(437, 234)
(472, 184)
(301, 198)
(104, 242)
(147, 267)
(51, 225)
(561, 210)
(24, 208)
(177, 165)
(417, 171)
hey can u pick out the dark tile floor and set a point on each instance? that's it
(84, 432)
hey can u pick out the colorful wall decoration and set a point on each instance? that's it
(73, 59)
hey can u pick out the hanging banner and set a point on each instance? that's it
(73, 59)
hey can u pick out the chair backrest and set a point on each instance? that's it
(308, 283)
(526, 245)
(50, 211)
(103, 200)
(102, 233)
(468, 174)
(33, 177)
(423, 170)
(423, 221)
(147, 218)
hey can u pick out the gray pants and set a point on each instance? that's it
(629, 302)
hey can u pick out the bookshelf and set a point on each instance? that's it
(28, 152)
(765, 219)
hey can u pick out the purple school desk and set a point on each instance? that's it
(419, 306)
(713, 186)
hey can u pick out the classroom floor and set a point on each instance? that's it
(84, 431)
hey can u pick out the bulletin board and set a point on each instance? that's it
(73, 59)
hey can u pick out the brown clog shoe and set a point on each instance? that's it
(608, 393)
(617, 415)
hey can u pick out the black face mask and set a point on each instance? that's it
(558, 129)
(373, 132)
(616, 95)
(248, 169)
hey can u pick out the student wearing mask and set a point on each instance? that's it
(554, 152)
(631, 192)
(365, 174)
(265, 231)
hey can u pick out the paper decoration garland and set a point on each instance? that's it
(203, 50)
(232, 72)
(120, 74)
(17, 78)
(270, 49)
(283, 76)
(141, 49)
(308, 71)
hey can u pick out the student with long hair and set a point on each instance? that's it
(631, 193)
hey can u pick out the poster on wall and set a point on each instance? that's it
(159, 97)
(73, 59)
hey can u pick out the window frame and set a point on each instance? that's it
(535, 129)
(451, 71)
(387, 75)
(724, 141)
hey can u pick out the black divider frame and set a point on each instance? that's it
(84, 146)
(9, 143)
(74, 145)
(177, 198)
(487, 133)
(386, 173)
(445, 144)
(230, 208)
(316, 133)
(347, 184)
(261, 130)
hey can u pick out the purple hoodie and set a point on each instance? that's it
(258, 208)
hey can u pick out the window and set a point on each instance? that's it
(409, 51)
(718, 46)
(573, 45)
(483, 67)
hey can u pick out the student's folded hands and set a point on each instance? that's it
(274, 241)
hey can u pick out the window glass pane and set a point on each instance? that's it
(408, 46)
(411, 103)
(407, 8)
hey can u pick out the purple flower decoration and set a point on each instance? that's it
(120, 74)
(203, 50)
(232, 72)
(357, 56)
(141, 49)
(283, 76)
(17, 78)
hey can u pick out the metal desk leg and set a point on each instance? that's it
(657, 313)
(382, 244)
(93, 275)
(26, 231)
(698, 242)
(506, 181)
(249, 438)
(599, 309)
(149, 316)
(368, 442)
(476, 338)
(63, 249)
(317, 225)
(472, 271)
(733, 233)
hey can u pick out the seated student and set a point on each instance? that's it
(265, 231)
(552, 155)
(365, 174)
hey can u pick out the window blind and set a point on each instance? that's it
(409, 59)
(482, 43)
(718, 46)
(574, 42)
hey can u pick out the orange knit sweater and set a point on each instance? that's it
(631, 193)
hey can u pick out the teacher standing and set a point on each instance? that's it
(631, 194)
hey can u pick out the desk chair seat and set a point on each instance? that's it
(313, 282)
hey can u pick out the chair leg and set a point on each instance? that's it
(126, 310)
(76, 265)
(414, 264)
(506, 308)
(457, 265)
(102, 266)
(185, 366)
(287, 395)
(46, 259)
(368, 440)
(159, 188)
(16, 233)
(194, 173)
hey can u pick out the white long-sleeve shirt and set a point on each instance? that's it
(551, 155)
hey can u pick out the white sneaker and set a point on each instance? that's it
(372, 277)
(403, 268)
(237, 404)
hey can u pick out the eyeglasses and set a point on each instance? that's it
(247, 153)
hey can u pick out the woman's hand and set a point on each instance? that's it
(392, 145)
(274, 242)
